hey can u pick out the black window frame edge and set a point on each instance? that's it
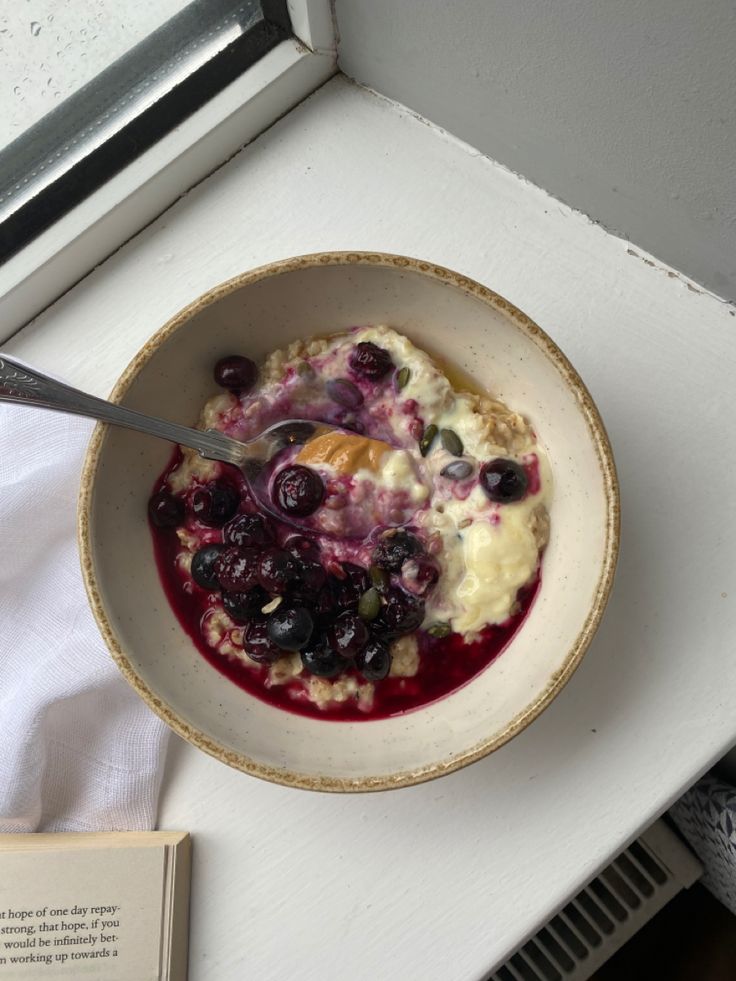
(30, 216)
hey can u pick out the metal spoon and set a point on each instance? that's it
(19, 383)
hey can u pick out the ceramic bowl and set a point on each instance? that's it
(505, 353)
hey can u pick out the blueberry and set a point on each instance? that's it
(392, 551)
(298, 490)
(236, 373)
(244, 606)
(247, 529)
(348, 591)
(368, 360)
(324, 607)
(290, 628)
(503, 481)
(374, 661)
(203, 566)
(356, 573)
(215, 503)
(275, 570)
(236, 569)
(309, 579)
(165, 510)
(347, 636)
(401, 614)
(302, 548)
(320, 661)
(258, 645)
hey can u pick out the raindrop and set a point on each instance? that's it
(35, 28)
(16, 90)
(50, 18)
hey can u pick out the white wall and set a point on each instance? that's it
(625, 110)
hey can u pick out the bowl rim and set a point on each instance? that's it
(574, 656)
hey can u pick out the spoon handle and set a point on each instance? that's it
(21, 384)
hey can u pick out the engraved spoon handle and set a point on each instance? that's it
(21, 384)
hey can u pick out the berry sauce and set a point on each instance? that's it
(446, 664)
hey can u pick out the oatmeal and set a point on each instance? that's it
(422, 519)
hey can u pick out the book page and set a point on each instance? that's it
(74, 913)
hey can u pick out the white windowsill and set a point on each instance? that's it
(442, 881)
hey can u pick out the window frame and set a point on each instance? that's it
(81, 238)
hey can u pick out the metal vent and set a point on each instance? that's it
(607, 912)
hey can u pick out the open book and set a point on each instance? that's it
(113, 907)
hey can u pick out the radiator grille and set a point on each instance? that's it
(606, 912)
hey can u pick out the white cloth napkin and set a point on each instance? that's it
(79, 750)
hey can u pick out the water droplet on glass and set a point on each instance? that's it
(16, 90)
(35, 28)
(50, 18)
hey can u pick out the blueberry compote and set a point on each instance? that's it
(247, 561)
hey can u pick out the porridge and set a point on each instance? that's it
(422, 523)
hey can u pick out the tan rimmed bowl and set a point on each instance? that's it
(504, 352)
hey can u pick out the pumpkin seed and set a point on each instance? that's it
(451, 442)
(428, 437)
(305, 370)
(402, 378)
(369, 604)
(457, 470)
(439, 630)
(342, 391)
(380, 578)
